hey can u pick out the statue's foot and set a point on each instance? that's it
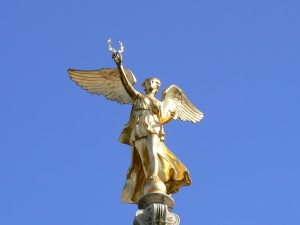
(154, 177)
(154, 184)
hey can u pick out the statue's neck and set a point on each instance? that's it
(150, 94)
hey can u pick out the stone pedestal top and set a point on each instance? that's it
(156, 197)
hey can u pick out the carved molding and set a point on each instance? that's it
(156, 214)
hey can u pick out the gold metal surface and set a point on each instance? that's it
(154, 168)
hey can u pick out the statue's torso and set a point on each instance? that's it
(146, 117)
(144, 120)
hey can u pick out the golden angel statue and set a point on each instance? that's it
(154, 168)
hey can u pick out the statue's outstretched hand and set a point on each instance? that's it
(172, 113)
(117, 57)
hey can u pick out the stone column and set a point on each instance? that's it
(155, 209)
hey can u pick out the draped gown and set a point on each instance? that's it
(145, 120)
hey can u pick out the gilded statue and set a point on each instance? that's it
(154, 168)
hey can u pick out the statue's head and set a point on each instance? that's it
(151, 85)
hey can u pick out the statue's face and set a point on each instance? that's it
(151, 85)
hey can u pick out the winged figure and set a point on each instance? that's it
(154, 168)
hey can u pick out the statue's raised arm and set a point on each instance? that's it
(117, 57)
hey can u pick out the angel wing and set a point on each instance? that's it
(174, 100)
(105, 82)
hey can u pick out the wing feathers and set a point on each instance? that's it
(105, 82)
(184, 109)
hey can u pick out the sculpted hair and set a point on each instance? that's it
(149, 79)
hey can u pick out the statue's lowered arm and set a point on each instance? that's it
(170, 115)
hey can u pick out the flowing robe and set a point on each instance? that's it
(144, 121)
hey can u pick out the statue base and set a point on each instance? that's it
(155, 209)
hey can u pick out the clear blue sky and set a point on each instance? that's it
(237, 61)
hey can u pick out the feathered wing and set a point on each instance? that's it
(105, 82)
(174, 100)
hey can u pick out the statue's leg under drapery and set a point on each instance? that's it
(172, 174)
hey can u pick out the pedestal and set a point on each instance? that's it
(155, 209)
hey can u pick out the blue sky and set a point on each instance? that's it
(237, 61)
